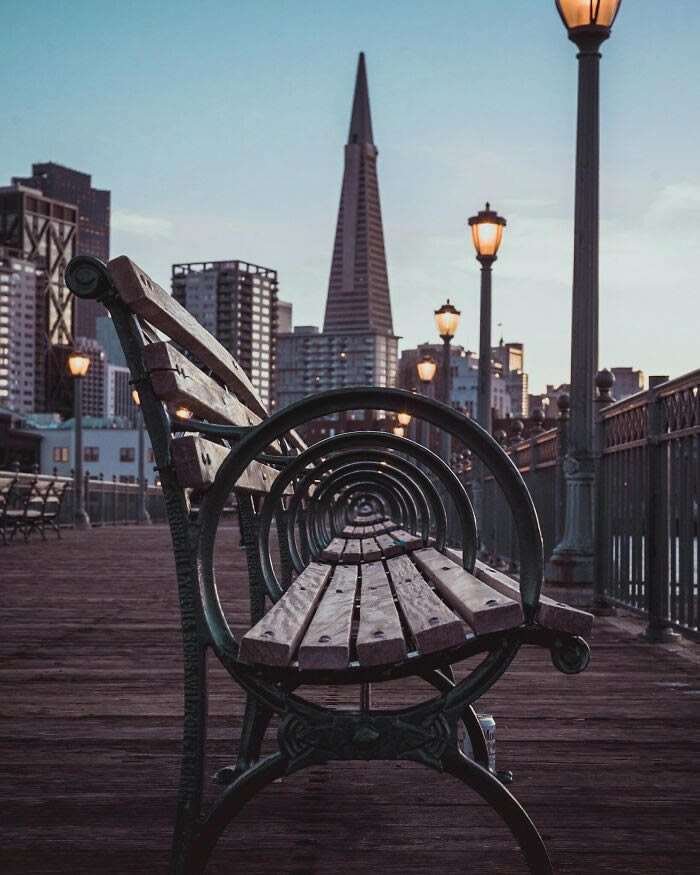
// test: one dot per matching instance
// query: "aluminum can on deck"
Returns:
(488, 727)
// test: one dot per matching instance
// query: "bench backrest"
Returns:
(187, 370)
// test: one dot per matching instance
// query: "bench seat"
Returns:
(375, 613)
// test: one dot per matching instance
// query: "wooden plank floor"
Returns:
(606, 762)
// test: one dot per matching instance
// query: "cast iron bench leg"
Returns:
(505, 805)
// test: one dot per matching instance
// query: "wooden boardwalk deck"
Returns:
(606, 763)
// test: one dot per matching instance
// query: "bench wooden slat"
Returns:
(380, 638)
(326, 643)
(433, 625)
(485, 609)
(371, 551)
(334, 550)
(197, 460)
(274, 640)
(353, 550)
(386, 526)
(552, 614)
(406, 540)
(388, 545)
(175, 378)
(147, 299)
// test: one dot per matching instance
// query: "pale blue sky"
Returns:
(219, 128)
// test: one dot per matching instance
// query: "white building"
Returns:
(17, 332)
(109, 449)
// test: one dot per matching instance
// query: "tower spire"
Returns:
(361, 120)
(358, 289)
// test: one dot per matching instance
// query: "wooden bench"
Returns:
(351, 580)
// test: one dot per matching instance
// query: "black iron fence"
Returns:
(108, 502)
(647, 513)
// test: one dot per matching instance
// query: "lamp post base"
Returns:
(81, 520)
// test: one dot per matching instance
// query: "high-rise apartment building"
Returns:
(17, 331)
(358, 346)
(237, 303)
(284, 317)
(93, 205)
(43, 231)
(93, 385)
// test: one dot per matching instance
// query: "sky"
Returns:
(219, 128)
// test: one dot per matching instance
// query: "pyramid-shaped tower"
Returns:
(358, 290)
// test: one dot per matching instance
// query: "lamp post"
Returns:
(78, 364)
(426, 368)
(447, 320)
(487, 230)
(588, 23)
(142, 514)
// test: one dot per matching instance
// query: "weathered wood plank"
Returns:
(388, 545)
(433, 625)
(552, 614)
(175, 378)
(371, 551)
(481, 606)
(380, 639)
(197, 460)
(334, 550)
(147, 299)
(353, 550)
(274, 640)
(326, 643)
(406, 540)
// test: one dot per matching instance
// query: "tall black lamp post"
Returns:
(487, 230)
(78, 364)
(447, 320)
(143, 516)
(426, 368)
(588, 23)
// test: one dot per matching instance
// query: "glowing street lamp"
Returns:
(588, 24)
(404, 418)
(78, 364)
(447, 320)
(426, 368)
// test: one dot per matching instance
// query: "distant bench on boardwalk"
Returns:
(360, 587)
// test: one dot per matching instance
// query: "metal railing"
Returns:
(108, 502)
(647, 514)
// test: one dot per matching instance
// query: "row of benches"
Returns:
(29, 506)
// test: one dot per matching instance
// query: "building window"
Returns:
(127, 454)
(150, 455)
(60, 454)
(91, 454)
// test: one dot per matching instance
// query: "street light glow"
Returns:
(404, 418)
(135, 396)
(447, 320)
(588, 13)
(487, 229)
(426, 368)
(78, 364)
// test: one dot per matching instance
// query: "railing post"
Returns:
(102, 499)
(604, 382)
(656, 578)
(114, 499)
(562, 450)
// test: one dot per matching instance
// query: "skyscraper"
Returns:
(237, 303)
(17, 331)
(74, 187)
(357, 346)
(358, 288)
(43, 230)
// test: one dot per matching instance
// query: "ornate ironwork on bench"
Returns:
(365, 589)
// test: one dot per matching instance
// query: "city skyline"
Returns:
(481, 109)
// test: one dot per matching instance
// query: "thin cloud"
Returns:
(139, 225)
